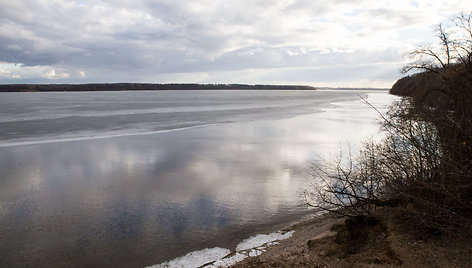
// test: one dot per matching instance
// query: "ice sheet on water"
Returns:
(218, 257)
(226, 262)
(262, 239)
(196, 258)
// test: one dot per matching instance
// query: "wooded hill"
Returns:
(143, 86)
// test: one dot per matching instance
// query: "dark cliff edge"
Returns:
(142, 86)
(417, 85)
(437, 85)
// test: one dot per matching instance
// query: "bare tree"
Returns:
(454, 46)
(425, 159)
(463, 45)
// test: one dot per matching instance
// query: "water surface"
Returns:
(153, 175)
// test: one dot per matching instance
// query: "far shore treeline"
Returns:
(143, 86)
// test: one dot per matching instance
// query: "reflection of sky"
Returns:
(148, 198)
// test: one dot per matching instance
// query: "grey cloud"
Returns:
(335, 74)
(268, 57)
(397, 18)
(143, 39)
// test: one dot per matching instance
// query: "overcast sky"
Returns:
(356, 43)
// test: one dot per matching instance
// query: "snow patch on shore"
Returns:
(222, 257)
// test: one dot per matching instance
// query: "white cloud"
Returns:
(4, 73)
(146, 40)
(51, 74)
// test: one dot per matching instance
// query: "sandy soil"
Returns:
(391, 241)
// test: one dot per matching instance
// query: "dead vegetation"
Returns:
(405, 201)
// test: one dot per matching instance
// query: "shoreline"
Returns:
(317, 224)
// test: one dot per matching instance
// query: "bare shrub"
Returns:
(380, 172)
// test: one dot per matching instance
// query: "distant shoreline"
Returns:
(141, 86)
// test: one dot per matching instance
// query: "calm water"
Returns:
(137, 178)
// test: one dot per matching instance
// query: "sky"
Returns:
(337, 43)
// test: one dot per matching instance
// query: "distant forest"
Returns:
(142, 86)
